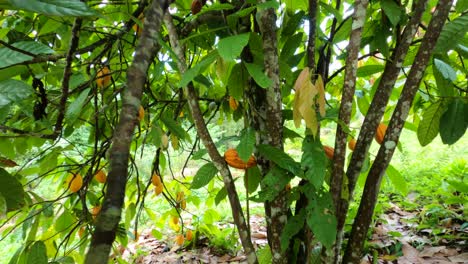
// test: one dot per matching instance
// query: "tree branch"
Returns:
(366, 208)
(213, 152)
(109, 217)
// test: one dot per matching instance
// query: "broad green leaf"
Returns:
(454, 122)
(429, 126)
(10, 57)
(191, 73)
(280, 158)
(272, 184)
(76, 107)
(64, 221)
(12, 190)
(459, 186)
(392, 10)
(291, 45)
(12, 71)
(363, 104)
(313, 161)
(246, 144)
(220, 195)
(397, 180)
(204, 175)
(237, 81)
(445, 69)
(343, 32)
(268, 4)
(252, 178)
(230, 48)
(258, 75)
(444, 85)
(331, 10)
(264, 255)
(293, 226)
(3, 206)
(291, 23)
(54, 7)
(174, 127)
(452, 34)
(37, 253)
(367, 70)
(13, 92)
(295, 5)
(321, 219)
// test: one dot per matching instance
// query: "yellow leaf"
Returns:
(303, 107)
(321, 95)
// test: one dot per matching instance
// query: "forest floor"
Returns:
(395, 239)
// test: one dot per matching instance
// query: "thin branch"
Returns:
(109, 217)
(213, 152)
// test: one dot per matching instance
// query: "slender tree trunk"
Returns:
(369, 199)
(109, 217)
(218, 160)
(336, 182)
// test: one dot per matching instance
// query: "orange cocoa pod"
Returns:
(156, 180)
(141, 113)
(74, 182)
(233, 103)
(95, 211)
(103, 77)
(232, 158)
(380, 133)
(329, 152)
(100, 176)
(352, 144)
(179, 240)
(159, 189)
(189, 235)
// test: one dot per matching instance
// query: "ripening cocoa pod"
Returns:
(380, 133)
(232, 158)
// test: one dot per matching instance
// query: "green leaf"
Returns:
(204, 175)
(313, 161)
(76, 107)
(37, 253)
(392, 10)
(367, 70)
(328, 9)
(174, 127)
(10, 57)
(272, 184)
(253, 178)
(280, 158)
(258, 75)
(429, 126)
(295, 5)
(12, 190)
(292, 227)
(221, 195)
(291, 45)
(445, 69)
(54, 7)
(237, 81)
(64, 221)
(452, 34)
(230, 48)
(459, 186)
(343, 32)
(191, 73)
(3, 206)
(321, 219)
(397, 179)
(444, 85)
(264, 255)
(13, 92)
(246, 144)
(454, 122)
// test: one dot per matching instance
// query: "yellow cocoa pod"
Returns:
(380, 133)
(183, 204)
(159, 189)
(179, 240)
(74, 182)
(175, 220)
(103, 77)
(156, 179)
(189, 235)
(232, 158)
(100, 176)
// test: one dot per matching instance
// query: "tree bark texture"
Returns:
(369, 199)
(336, 181)
(218, 160)
(109, 217)
(276, 211)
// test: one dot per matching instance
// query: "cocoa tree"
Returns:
(138, 75)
